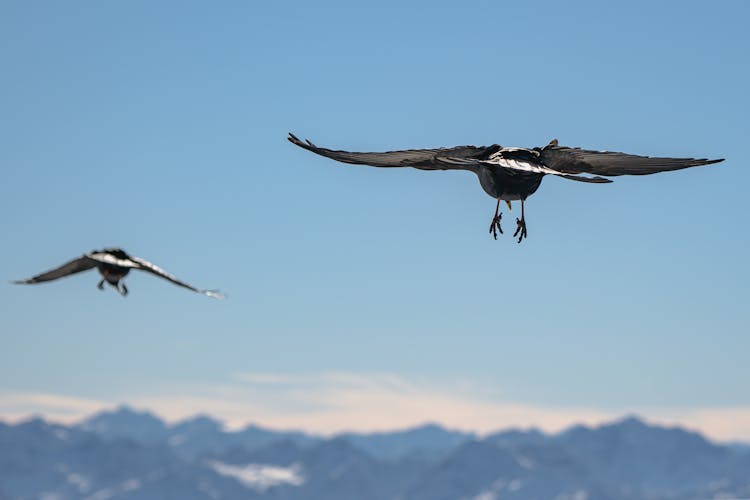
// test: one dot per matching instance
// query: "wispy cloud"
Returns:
(333, 402)
(15, 405)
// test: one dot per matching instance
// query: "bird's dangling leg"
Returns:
(520, 225)
(100, 286)
(122, 288)
(495, 224)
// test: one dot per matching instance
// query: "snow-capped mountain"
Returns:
(124, 454)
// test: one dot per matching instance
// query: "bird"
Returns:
(113, 264)
(514, 173)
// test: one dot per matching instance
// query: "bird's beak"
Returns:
(510, 208)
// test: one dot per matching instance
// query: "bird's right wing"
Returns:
(82, 263)
(424, 159)
(611, 163)
(149, 267)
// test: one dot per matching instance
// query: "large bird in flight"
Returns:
(113, 264)
(509, 173)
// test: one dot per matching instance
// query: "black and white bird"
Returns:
(510, 173)
(113, 264)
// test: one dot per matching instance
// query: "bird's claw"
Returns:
(495, 225)
(520, 229)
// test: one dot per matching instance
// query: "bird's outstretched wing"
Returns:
(424, 159)
(82, 263)
(147, 266)
(610, 163)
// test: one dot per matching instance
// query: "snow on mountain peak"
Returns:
(260, 477)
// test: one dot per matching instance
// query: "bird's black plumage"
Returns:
(611, 163)
(425, 159)
(113, 264)
(510, 173)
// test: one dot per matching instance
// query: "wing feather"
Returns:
(147, 266)
(425, 159)
(611, 163)
(82, 263)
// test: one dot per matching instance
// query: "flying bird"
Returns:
(113, 264)
(511, 173)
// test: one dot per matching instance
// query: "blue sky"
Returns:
(161, 129)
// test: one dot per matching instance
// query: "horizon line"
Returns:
(472, 433)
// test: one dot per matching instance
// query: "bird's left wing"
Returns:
(611, 163)
(82, 263)
(424, 159)
(147, 266)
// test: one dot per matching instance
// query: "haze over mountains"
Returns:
(124, 454)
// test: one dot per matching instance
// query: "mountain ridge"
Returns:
(128, 454)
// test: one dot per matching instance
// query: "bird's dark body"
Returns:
(499, 184)
(110, 272)
(113, 274)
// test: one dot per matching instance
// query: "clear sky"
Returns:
(363, 298)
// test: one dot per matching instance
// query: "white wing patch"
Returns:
(107, 258)
(521, 165)
(536, 167)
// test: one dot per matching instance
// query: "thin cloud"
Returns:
(328, 403)
(61, 408)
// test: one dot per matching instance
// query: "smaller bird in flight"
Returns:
(511, 173)
(113, 264)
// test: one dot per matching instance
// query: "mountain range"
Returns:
(127, 454)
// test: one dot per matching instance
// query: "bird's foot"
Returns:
(495, 225)
(520, 229)
(100, 286)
